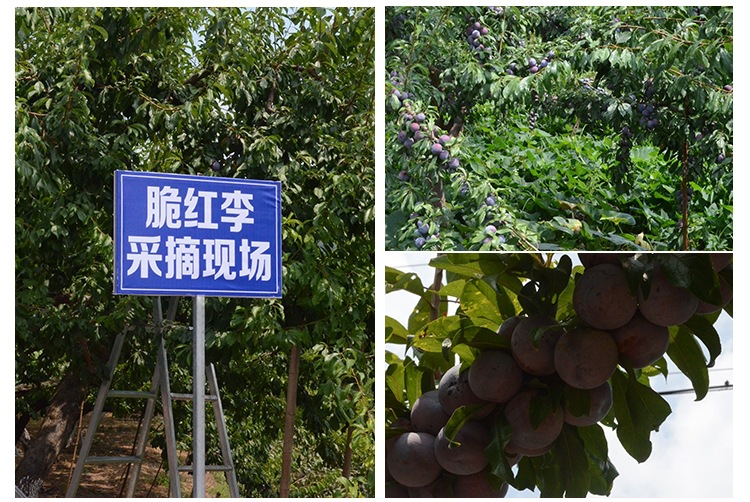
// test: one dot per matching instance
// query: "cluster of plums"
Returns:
(474, 33)
(680, 198)
(533, 66)
(624, 145)
(533, 114)
(416, 129)
(649, 115)
(490, 231)
(616, 328)
(422, 233)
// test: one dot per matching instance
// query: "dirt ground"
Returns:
(116, 437)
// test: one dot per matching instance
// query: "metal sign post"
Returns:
(199, 397)
(187, 235)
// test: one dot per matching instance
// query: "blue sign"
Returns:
(188, 235)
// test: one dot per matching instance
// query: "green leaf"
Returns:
(460, 416)
(102, 32)
(704, 329)
(453, 289)
(427, 343)
(639, 410)
(693, 271)
(602, 472)
(394, 376)
(500, 433)
(412, 381)
(396, 280)
(687, 355)
(420, 316)
(617, 218)
(571, 459)
(470, 264)
(395, 331)
(480, 303)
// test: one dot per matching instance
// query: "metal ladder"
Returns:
(159, 385)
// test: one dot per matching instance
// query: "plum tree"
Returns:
(396, 490)
(720, 260)
(631, 90)
(726, 291)
(508, 326)
(602, 297)
(441, 487)
(589, 260)
(536, 384)
(514, 451)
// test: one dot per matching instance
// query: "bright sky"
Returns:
(693, 451)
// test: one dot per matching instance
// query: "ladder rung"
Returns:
(114, 460)
(219, 468)
(131, 394)
(189, 397)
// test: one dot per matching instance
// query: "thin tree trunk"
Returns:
(59, 422)
(347, 470)
(291, 411)
(435, 302)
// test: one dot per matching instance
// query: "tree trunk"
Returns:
(59, 422)
(21, 423)
(437, 283)
(291, 411)
(347, 470)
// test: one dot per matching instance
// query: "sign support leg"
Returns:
(199, 397)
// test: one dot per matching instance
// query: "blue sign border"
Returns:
(120, 238)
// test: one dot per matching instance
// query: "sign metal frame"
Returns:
(241, 196)
(130, 203)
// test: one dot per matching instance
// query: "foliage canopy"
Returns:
(282, 94)
(566, 128)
